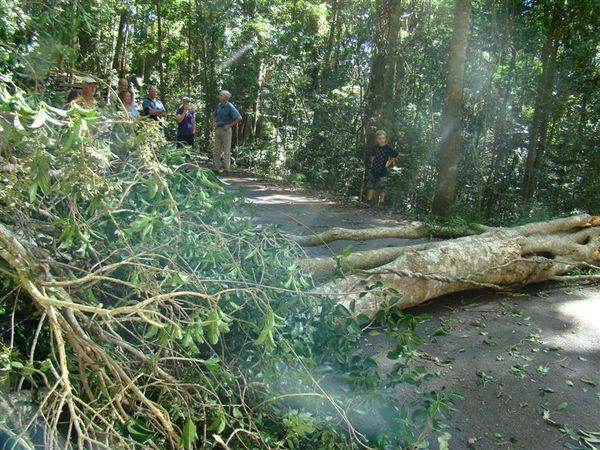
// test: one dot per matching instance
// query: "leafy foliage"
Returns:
(146, 311)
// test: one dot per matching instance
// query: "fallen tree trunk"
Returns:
(327, 266)
(497, 259)
(412, 230)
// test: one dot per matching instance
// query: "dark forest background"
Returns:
(315, 79)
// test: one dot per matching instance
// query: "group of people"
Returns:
(224, 117)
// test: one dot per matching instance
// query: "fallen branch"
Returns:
(412, 230)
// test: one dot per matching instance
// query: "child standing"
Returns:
(383, 157)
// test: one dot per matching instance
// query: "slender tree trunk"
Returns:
(123, 68)
(257, 102)
(544, 100)
(143, 68)
(380, 91)
(326, 68)
(118, 62)
(74, 39)
(189, 51)
(159, 49)
(452, 115)
(391, 65)
(111, 50)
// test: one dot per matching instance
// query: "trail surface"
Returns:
(511, 356)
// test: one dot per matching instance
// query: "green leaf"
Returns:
(39, 120)
(138, 431)
(190, 434)
(213, 327)
(562, 406)
(45, 365)
(441, 332)
(568, 382)
(19, 126)
(57, 111)
(443, 440)
(266, 332)
(218, 424)
(347, 250)
(543, 369)
(33, 191)
(151, 332)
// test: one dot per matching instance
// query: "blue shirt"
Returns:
(154, 104)
(225, 113)
(133, 112)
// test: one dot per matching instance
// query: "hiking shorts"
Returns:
(377, 183)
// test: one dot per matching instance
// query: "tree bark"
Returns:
(411, 230)
(119, 63)
(325, 267)
(452, 115)
(543, 104)
(497, 259)
(380, 91)
(159, 50)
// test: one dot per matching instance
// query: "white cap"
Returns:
(88, 79)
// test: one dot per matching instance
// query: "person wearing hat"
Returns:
(225, 117)
(88, 90)
(186, 123)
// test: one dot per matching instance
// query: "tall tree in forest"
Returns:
(452, 114)
(121, 43)
(538, 131)
(210, 17)
(380, 92)
(159, 49)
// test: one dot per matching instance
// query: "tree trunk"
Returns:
(380, 91)
(500, 147)
(262, 69)
(498, 259)
(189, 52)
(119, 53)
(412, 230)
(543, 104)
(111, 50)
(452, 115)
(159, 39)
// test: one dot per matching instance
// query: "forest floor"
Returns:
(513, 356)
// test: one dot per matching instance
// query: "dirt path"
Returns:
(512, 356)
